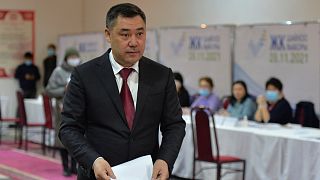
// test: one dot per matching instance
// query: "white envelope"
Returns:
(137, 169)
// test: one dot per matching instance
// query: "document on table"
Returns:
(137, 169)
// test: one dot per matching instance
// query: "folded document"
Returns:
(137, 169)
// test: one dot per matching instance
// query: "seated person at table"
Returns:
(206, 97)
(56, 88)
(183, 94)
(273, 107)
(241, 104)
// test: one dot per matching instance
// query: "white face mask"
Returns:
(73, 62)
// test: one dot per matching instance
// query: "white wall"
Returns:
(53, 17)
(56, 17)
(194, 12)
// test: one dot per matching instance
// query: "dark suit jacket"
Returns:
(93, 119)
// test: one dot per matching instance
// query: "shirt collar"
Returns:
(116, 67)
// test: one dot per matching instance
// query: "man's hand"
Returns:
(102, 170)
(160, 170)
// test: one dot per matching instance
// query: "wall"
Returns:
(52, 19)
(57, 17)
(194, 12)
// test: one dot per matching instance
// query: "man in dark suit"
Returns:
(115, 104)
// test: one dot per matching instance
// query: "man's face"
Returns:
(127, 38)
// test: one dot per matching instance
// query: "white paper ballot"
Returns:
(137, 169)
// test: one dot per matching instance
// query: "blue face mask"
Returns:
(51, 52)
(204, 92)
(272, 96)
(28, 62)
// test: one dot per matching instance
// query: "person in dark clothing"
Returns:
(28, 74)
(183, 94)
(273, 107)
(49, 63)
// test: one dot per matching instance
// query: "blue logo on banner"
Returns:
(277, 42)
(177, 46)
(256, 46)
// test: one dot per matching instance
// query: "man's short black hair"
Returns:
(274, 82)
(28, 55)
(124, 10)
(52, 46)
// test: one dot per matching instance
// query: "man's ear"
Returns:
(107, 34)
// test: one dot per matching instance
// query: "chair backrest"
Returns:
(21, 108)
(47, 107)
(305, 115)
(204, 131)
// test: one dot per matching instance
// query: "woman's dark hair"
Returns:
(178, 76)
(233, 99)
(208, 80)
(274, 82)
(125, 10)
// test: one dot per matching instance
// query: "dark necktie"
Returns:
(126, 96)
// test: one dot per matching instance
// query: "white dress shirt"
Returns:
(132, 80)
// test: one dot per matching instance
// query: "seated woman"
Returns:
(206, 96)
(241, 104)
(273, 107)
(183, 94)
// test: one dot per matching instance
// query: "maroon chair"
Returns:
(48, 112)
(203, 127)
(17, 123)
(25, 124)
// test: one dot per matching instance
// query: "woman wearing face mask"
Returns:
(56, 88)
(273, 107)
(206, 96)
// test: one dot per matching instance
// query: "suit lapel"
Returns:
(143, 90)
(107, 78)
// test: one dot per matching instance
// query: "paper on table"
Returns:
(137, 169)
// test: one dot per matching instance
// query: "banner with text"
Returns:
(91, 45)
(17, 37)
(196, 52)
(288, 52)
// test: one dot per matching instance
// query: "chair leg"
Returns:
(0, 132)
(44, 141)
(194, 170)
(15, 133)
(244, 170)
(20, 135)
(26, 140)
(218, 171)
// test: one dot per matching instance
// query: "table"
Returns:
(272, 151)
(35, 114)
(34, 110)
(8, 100)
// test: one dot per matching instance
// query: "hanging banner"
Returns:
(152, 45)
(89, 45)
(288, 52)
(16, 37)
(196, 52)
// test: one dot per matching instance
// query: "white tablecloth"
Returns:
(271, 151)
(34, 110)
(8, 100)
(35, 114)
